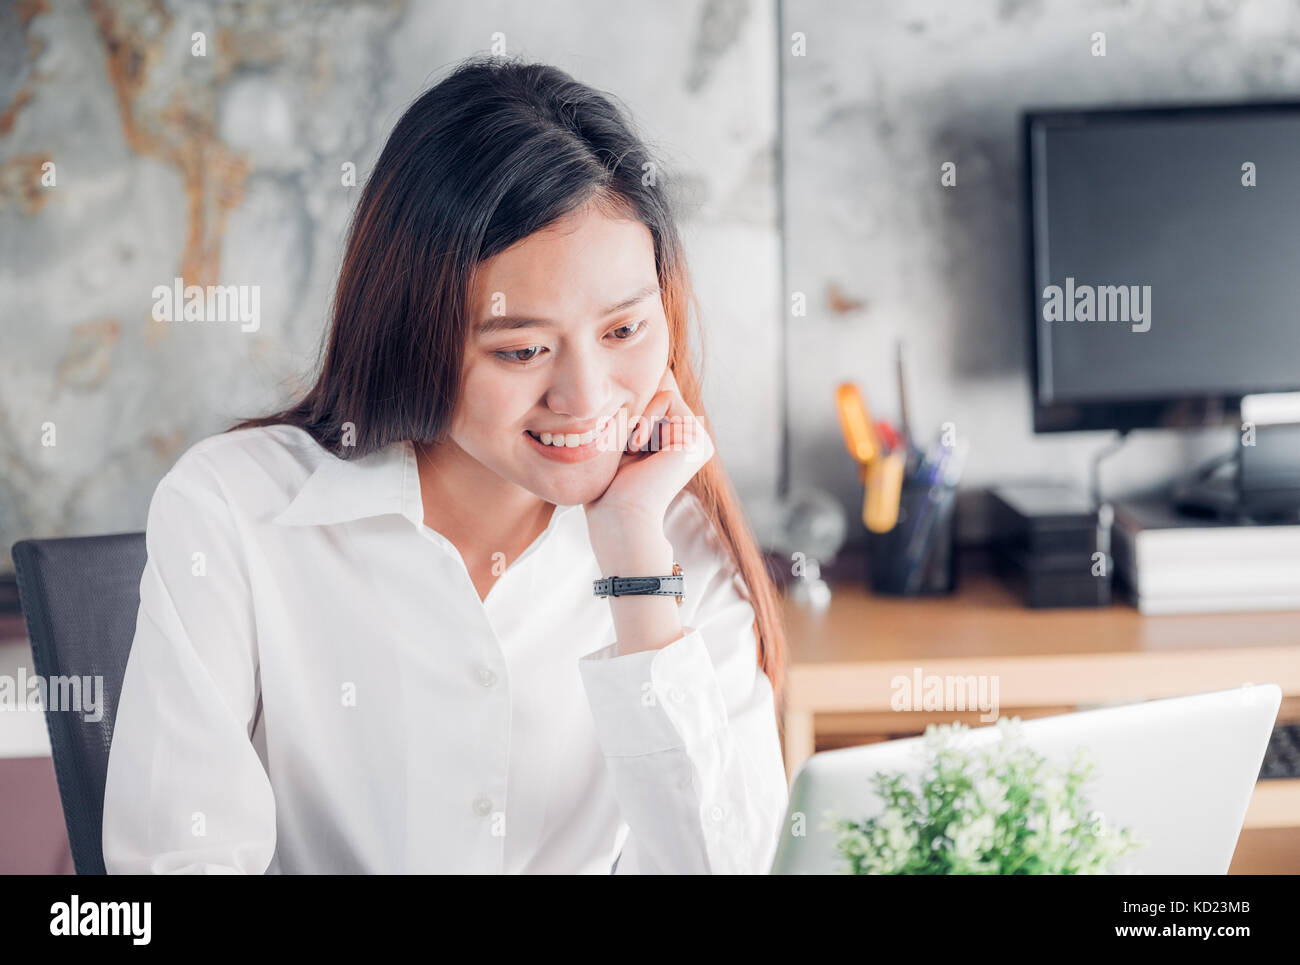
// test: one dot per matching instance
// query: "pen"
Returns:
(889, 435)
(955, 462)
(904, 422)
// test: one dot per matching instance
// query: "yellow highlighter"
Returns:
(882, 475)
(855, 423)
(884, 488)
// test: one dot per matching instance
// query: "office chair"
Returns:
(80, 597)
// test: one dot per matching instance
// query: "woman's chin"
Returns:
(573, 486)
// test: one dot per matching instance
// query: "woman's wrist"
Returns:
(637, 556)
(630, 546)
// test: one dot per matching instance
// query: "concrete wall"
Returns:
(226, 169)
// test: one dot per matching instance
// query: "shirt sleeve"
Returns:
(186, 791)
(689, 735)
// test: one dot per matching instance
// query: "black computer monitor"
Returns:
(1164, 262)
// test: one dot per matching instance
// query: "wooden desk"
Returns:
(1046, 662)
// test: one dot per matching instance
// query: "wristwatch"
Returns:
(674, 585)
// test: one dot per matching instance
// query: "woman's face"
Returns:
(567, 330)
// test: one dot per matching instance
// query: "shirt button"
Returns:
(715, 813)
(486, 677)
(482, 805)
(676, 695)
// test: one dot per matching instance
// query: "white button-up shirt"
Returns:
(316, 686)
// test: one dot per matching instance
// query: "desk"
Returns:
(1046, 661)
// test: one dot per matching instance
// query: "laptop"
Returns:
(1178, 771)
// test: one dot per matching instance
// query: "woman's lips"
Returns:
(583, 440)
(566, 453)
(601, 438)
(549, 437)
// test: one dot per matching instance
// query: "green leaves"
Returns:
(997, 809)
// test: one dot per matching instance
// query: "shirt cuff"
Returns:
(652, 701)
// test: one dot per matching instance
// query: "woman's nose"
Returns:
(580, 390)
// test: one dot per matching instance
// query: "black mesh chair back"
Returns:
(80, 597)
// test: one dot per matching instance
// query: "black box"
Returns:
(1051, 545)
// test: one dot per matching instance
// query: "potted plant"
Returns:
(994, 809)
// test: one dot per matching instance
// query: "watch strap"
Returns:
(674, 585)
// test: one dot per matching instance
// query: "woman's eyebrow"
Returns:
(499, 323)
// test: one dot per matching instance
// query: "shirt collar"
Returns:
(384, 481)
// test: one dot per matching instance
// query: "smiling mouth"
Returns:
(570, 440)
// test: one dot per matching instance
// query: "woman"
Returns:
(370, 637)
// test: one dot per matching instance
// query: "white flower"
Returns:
(1059, 821)
(1052, 787)
(892, 819)
(992, 793)
(969, 840)
(1097, 824)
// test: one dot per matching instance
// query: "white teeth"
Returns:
(569, 440)
(572, 440)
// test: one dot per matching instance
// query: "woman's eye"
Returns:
(635, 329)
(512, 355)
(521, 356)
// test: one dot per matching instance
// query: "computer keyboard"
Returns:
(1282, 756)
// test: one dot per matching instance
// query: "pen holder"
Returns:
(918, 556)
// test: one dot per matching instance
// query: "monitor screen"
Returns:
(1164, 262)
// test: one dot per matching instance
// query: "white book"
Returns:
(1157, 549)
(1207, 603)
(1227, 578)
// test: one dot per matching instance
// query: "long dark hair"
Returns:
(494, 152)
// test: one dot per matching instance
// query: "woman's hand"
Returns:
(666, 447)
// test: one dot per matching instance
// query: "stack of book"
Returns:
(1173, 563)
